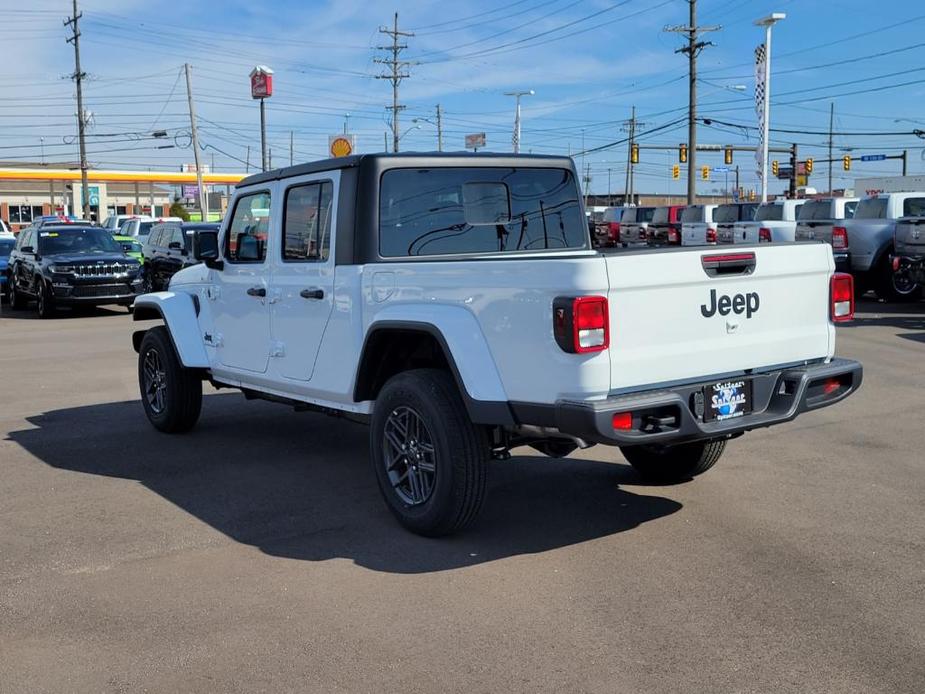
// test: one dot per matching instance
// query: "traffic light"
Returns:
(775, 167)
(727, 155)
(846, 162)
(676, 172)
(705, 173)
(751, 195)
(682, 153)
(809, 166)
(634, 153)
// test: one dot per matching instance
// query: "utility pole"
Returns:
(692, 49)
(203, 200)
(831, 124)
(247, 160)
(263, 135)
(395, 75)
(793, 172)
(609, 200)
(291, 146)
(515, 140)
(905, 159)
(630, 126)
(81, 122)
(439, 129)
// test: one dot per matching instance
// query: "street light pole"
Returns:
(516, 139)
(767, 23)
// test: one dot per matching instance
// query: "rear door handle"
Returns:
(257, 291)
(313, 293)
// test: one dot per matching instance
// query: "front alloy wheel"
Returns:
(154, 382)
(171, 394)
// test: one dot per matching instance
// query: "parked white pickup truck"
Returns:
(698, 226)
(774, 221)
(455, 304)
(870, 232)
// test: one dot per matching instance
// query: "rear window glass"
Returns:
(478, 210)
(850, 208)
(694, 213)
(914, 207)
(660, 216)
(871, 208)
(769, 213)
(144, 228)
(815, 209)
(644, 214)
(725, 214)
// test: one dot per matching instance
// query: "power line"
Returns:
(396, 75)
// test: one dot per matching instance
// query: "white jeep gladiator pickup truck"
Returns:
(454, 302)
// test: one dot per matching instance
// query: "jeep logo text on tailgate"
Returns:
(725, 304)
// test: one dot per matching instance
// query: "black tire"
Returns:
(45, 302)
(894, 286)
(147, 282)
(457, 452)
(170, 393)
(17, 300)
(676, 463)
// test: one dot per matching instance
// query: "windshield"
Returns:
(6, 246)
(82, 240)
(871, 208)
(769, 213)
(457, 210)
(815, 209)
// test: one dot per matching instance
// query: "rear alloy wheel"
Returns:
(17, 300)
(667, 464)
(171, 394)
(430, 460)
(896, 286)
(45, 302)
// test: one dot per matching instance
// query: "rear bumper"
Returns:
(914, 266)
(674, 415)
(842, 261)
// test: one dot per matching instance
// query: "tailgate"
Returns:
(745, 232)
(910, 236)
(814, 231)
(667, 309)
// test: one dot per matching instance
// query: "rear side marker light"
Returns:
(841, 293)
(764, 235)
(622, 421)
(581, 324)
(839, 238)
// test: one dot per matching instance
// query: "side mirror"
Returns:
(27, 249)
(175, 246)
(205, 248)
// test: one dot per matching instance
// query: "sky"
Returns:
(588, 61)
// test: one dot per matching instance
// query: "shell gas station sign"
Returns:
(342, 145)
(261, 82)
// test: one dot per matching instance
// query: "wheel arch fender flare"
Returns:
(467, 353)
(180, 313)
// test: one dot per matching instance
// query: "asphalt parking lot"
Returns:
(255, 554)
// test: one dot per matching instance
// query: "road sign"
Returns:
(191, 192)
(93, 193)
(873, 157)
(475, 140)
(341, 145)
(720, 169)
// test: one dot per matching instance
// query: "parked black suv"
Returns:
(168, 250)
(70, 265)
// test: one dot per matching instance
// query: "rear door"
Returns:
(302, 288)
(679, 317)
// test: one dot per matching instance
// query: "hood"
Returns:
(86, 259)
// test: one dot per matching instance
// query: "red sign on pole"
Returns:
(261, 82)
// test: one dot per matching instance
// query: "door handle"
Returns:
(257, 291)
(313, 293)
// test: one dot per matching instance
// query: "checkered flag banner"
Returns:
(761, 55)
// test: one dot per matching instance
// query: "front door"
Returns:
(239, 298)
(302, 290)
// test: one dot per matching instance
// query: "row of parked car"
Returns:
(879, 239)
(58, 261)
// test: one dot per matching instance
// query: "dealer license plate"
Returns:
(727, 400)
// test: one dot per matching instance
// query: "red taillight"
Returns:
(642, 234)
(830, 386)
(622, 421)
(841, 291)
(839, 238)
(896, 263)
(614, 231)
(764, 235)
(674, 236)
(711, 235)
(581, 324)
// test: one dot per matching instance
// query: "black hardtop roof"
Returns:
(413, 158)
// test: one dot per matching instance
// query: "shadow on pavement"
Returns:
(903, 316)
(299, 485)
(64, 313)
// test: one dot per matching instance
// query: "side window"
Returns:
(246, 238)
(307, 225)
(154, 238)
(177, 236)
